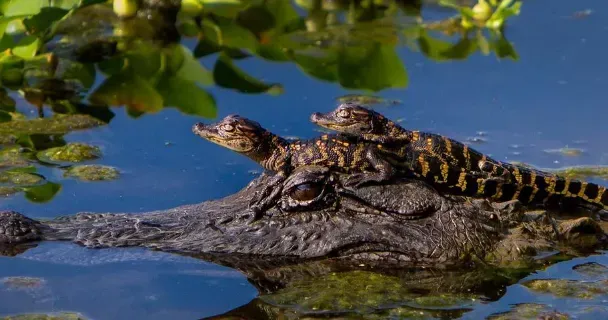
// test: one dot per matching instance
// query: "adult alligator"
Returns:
(404, 222)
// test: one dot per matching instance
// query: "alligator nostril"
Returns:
(197, 127)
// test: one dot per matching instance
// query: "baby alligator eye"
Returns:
(305, 192)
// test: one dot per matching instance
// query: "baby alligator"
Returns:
(277, 154)
(450, 164)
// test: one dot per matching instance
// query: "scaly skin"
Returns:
(451, 164)
(276, 154)
(404, 222)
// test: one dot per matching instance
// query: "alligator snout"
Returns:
(316, 117)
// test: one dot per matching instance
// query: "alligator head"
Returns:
(406, 222)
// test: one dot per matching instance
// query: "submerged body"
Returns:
(452, 165)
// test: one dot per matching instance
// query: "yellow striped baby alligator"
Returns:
(452, 165)
(274, 153)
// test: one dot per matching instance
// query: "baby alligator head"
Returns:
(233, 132)
(240, 134)
(350, 118)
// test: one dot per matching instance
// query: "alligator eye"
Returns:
(306, 191)
(343, 113)
(227, 127)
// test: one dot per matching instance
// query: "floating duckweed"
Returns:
(57, 124)
(72, 152)
(47, 316)
(359, 291)
(12, 157)
(592, 269)
(20, 178)
(572, 152)
(93, 173)
(367, 100)
(6, 191)
(583, 172)
(22, 282)
(568, 288)
(528, 311)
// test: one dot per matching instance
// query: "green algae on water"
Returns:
(57, 124)
(92, 173)
(47, 316)
(72, 152)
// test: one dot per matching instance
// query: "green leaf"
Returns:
(374, 68)
(5, 116)
(43, 20)
(283, 12)
(145, 63)
(193, 70)
(227, 75)
(186, 96)
(26, 47)
(234, 36)
(504, 49)
(129, 90)
(325, 68)
(83, 72)
(24, 7)
(42, 193)
(256, 19)
(210, 41)
(482, 42)
(432, 47)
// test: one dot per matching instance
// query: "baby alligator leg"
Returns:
(383, 171)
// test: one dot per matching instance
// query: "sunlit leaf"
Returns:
(129, 90)
(325, 68)
(186, 96)
(234, 36)
(193, 70)
(5, 116)
(272, 52)
(145, 63)
(374, 68)
(433, 48)
(42, 193)
(26, 47)
(227, 75)
(484, 45)
(209, 42)
(24, 7)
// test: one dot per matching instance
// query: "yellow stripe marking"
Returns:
(600, 193)
(566, 187)
(467, 157)
(415, 135)
(462, 181)
(581, 193)
(444, 171)
(424, 165)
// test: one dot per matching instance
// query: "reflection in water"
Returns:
(58, 50)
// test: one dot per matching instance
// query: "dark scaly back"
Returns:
(452, 165)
